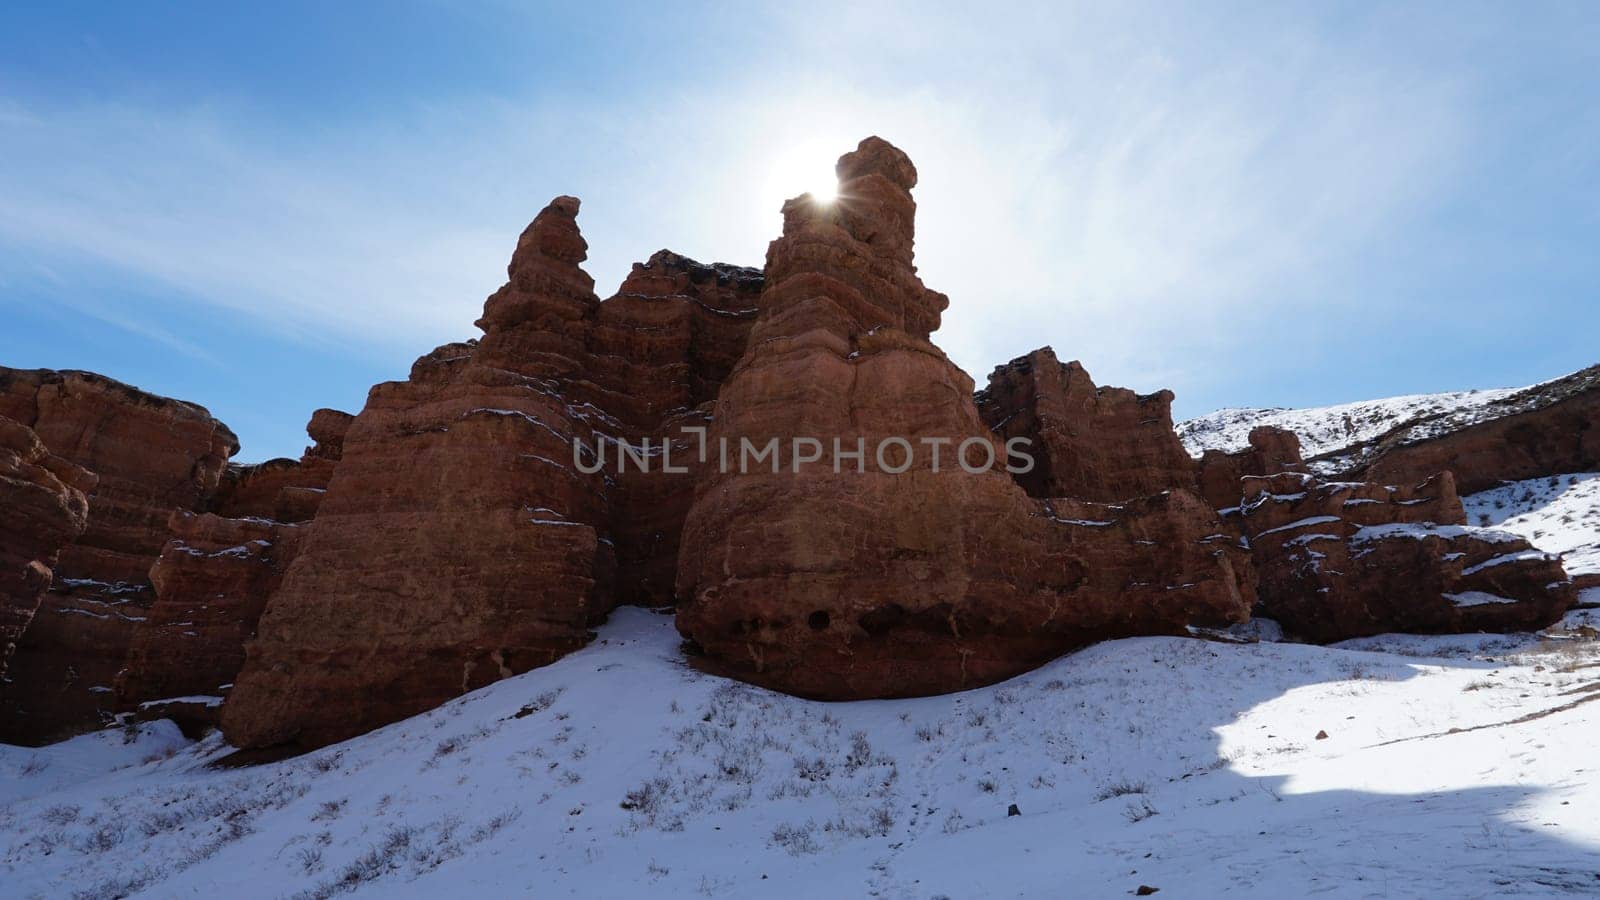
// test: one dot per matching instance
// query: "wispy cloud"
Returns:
(1114, 185)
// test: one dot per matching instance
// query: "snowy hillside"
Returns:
(1559, 514)
(1326, 428)
(1449, 767)
(1341, 438)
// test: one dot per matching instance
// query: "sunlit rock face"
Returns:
(455, 544)
(1349, 559)
(1343, 559)
(846, 584)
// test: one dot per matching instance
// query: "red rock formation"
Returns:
(1348, 559)
(447, 536)
(1272, 450)
(1548, 429)
(457, 542)
(61, 680)
(1103, 444)
(285, 490)
(44, 510)
(215, 575)
(152, 456)
(844, 584)
(250, 490)
(211, 585)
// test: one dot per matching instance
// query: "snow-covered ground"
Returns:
(1456, 766)
(1325, 428)
(1559, 514)
(1450, 767)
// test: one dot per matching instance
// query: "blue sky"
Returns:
(266, 208)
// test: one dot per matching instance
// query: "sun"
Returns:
(804, 169)
(824, 191)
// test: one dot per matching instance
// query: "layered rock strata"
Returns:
(211, 584)
(897, 576)
(783, 454)
(151, 457)
(1347, 559)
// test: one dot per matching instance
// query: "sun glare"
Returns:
(824, 191)
(805, 169)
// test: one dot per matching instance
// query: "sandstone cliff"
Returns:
(1548, 429)
(151, 456)
(459, 540)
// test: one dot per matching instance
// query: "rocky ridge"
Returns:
(1484, 437)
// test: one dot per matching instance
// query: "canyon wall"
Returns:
(150, 457)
